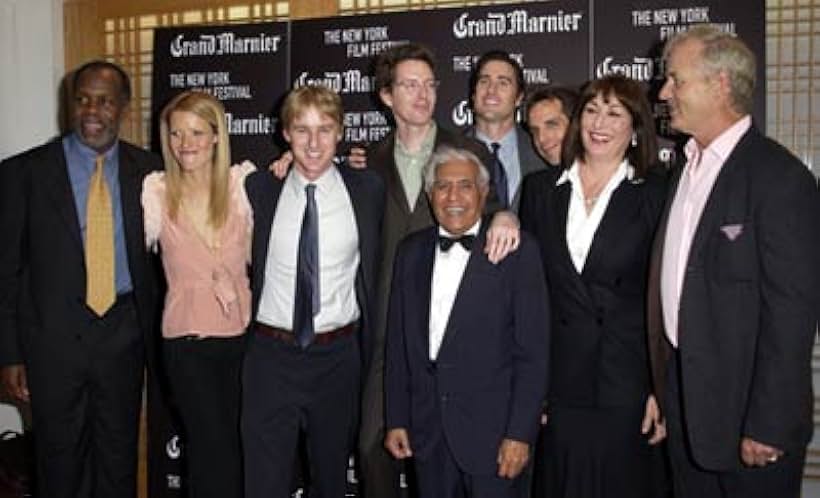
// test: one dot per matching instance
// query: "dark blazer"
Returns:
(490, 375)
(749, 307)
(528, 159)
(599, 354)
(367, 196)
(42, 262)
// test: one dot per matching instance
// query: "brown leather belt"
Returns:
(287, 336)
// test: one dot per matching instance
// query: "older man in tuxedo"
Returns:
(733, 296)
(467, 344)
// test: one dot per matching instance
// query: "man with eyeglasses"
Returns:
(405, 82)
(496, 90)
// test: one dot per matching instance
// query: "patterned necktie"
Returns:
(99, 243)
(500, 177)
(308, 297)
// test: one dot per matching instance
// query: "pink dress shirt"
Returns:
(696, 182)
(208, 288)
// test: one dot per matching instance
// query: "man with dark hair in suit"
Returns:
(77, 292)
(313, 263)
(467, 344)
(497, 88)
(549, 111)
(734, 288)
(406, 84)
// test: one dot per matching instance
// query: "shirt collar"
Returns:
(721, 146)
(625, 170)
(426, 145)
(473, 230)
(507, 141)
(89, 155)
(324, 184)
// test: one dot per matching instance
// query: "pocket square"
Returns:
(732, 232)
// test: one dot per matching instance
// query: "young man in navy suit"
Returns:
(467, 344)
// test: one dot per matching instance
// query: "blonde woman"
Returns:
(197, 216)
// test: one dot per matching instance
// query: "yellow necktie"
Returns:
(99, 243)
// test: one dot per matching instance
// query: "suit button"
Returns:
(443, 398)
(599, 321)
(78, 337)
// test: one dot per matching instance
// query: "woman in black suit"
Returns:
(595, 226)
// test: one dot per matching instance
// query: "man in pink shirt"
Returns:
(733, 293)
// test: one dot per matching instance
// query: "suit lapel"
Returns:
(395, 189)
(714, 209)
(560, 207)
(130, 178)
(423, 286)
(264, 203)
(619, 213)
(59, 187)
(470, 282)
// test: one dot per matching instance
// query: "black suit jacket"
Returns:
(749, 306)
(42, 262)
(599, 353)
(528, 159)
(367, 196)
(490, 375)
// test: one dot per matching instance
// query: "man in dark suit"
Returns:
(77, 292)
(467, 344)
(549, 111)
(497, 88)
(406, 84)
(733, 293)
(314, 259)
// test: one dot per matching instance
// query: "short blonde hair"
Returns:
(325, 100)
(211, 110)
(723, 52)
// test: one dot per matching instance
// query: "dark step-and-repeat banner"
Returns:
(251, 67)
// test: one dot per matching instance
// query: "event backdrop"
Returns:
(251, 67)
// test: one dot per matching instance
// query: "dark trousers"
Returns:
(777, 480)
(439, 476)
(287, 390)
(379, 470)
(205, 384)
(86, 389)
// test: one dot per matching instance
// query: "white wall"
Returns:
(31, 66)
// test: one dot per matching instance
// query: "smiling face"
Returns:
(99, 106)
(192, 141)
(606, 129)
(412, 96)
(496, 93)
(457, 196)
(548, 126)
(312, 136)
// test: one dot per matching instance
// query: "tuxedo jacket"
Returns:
(490, 375)
(42, 259)
(599, 353)
(366, 193)
(749, 306)
(528, 159)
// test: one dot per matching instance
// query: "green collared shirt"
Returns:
(411, 165)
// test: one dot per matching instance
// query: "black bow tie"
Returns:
(466, 241)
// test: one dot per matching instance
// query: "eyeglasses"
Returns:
(415, 86)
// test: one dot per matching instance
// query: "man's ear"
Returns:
(386, 97)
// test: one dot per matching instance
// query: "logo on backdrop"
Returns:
(516, 22)
(226, 43)
(639, 68)
(173, 448)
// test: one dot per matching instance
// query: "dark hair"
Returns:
(567, 96)
(100, 65)
(384, 67)
(501, 56)
(632, 96)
